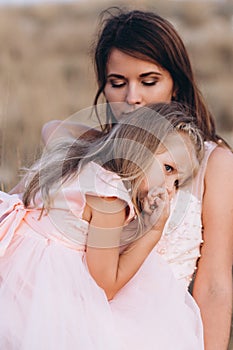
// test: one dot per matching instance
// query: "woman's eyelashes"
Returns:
(149, 82)
(119, 84)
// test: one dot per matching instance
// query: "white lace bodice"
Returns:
(182, 237)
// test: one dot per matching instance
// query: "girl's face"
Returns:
(162, 173)
(133, 83)
(173, 164)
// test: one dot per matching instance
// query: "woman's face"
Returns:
(133, 83)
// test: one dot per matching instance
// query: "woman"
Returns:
(140, 59)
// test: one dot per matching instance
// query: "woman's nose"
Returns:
(133, 95)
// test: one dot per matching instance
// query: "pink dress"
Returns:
(48, 299)
(182, 237)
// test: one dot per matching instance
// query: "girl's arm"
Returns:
(111, 270)
(213, 283)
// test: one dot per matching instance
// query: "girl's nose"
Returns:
(171, 186)
(133, 95)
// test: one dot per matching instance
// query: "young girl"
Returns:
(141, 59)
(65, 283)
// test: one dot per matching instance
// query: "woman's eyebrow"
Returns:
(114, 75)
(149, 73)
(143, 75)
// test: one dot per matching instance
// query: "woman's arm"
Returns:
(19, 188)
(55, 129)
(213, 283)
(111, 270)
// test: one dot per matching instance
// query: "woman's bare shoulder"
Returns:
(220, 158)
(219, 169)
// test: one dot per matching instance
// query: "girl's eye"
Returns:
(168, 168)
(117, 83)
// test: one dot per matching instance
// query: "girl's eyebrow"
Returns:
(143, 75)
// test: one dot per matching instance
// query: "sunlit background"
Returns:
(46, 69)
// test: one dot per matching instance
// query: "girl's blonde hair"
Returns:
(128, 151)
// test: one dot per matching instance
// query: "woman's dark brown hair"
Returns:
(147, 36)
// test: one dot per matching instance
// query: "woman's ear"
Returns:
(174, 94)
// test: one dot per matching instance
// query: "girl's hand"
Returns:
(156, 209)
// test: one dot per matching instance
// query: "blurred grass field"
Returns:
(47, 73)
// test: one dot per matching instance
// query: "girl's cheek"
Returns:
(172, 194)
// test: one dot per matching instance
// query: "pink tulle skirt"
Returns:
(49, 301)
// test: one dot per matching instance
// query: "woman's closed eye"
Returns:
(149, 82)
(117, 83)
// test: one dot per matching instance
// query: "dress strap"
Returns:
(12, 212)
(199, 179)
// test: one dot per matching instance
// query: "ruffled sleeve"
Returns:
(12, 212)
(97, 181)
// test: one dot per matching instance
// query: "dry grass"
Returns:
(46, 71)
